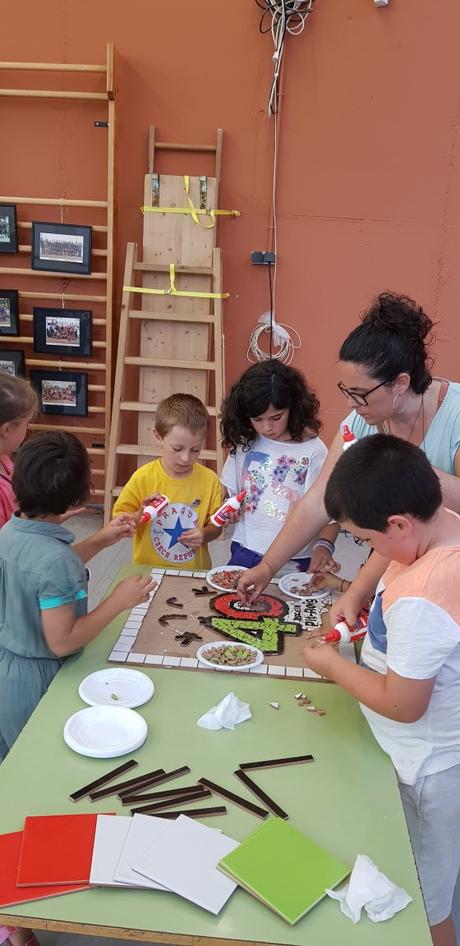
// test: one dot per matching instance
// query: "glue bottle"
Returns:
(231, 505)
(343, 633)
(151, 511)
(348, 437)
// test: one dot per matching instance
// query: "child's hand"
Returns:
(320, 657)
(121, 527)
(147, 501)
(132, 591)
(73, 511)
(193, 538)
(322, 561)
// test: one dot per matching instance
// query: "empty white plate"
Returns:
(116, 687)
(292, 585)
(103, 732)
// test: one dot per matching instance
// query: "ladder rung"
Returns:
(170, 363)
(151, 408)
(181, 146)
(148, 450)
(164, 268)
(170, 316)
(71, 430)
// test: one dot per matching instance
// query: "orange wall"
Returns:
(369, 184)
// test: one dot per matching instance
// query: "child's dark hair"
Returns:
(51, 474)
(17, 398)
(183, 410)
(382, 476)
(391, 339)
(268, 382)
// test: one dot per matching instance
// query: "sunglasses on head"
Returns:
(360, 397)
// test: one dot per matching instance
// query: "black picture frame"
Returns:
(8, 229)
(61, 392)
(61, 248)
(14, 358)
(9, 312)
(53, 327)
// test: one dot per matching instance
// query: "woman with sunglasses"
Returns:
(384, 375)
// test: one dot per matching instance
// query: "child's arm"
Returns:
(122, 527)
(323, 550)
(64, 633)
(399, 698)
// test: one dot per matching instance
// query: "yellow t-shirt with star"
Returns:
(192, 500)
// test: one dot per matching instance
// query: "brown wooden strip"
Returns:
(81, 792)
(271, 805)
(236, 799)
(130, 783)
(191, 813)
(155, 796)
(178, 800)
(166, 777)
(268, 763)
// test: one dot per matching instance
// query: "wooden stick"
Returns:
(182, 146)
(191, 813)
(271, 805)
(269, 763)
(61, 296)
(167, 793)
(55, 202)
(52, 67)
(170, 802)
(81, 792)
(165, 777)
(94, 796)
(236, 799)
(19, 271)
(58, 364)
(49, 94)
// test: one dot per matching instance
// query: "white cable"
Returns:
(284, 344)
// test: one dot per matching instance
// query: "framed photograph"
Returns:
(61, 248)
(9, 312)
(8, 229)
(61, 392)
(62, 331)
(12, 361)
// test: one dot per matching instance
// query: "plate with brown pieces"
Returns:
(298, 585)
(225, 577)
(229, 655)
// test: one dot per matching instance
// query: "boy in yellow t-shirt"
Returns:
(179, 536)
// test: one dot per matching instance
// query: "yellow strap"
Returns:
(172, 291)
(192, 210)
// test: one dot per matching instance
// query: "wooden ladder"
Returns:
(168, 344)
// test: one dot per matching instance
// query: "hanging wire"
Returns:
(280, 17)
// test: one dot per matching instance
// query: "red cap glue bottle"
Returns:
(232, 504)
(343, 633)
(348, 437)
(154, 507)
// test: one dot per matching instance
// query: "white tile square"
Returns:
(130, 632)
(261, 669)
(155, 659)
(171, 661)
(118, 656)
(294, 671)
(136, 658)
(199, 574)
(191, 662)
(275, 671)
(205, 667)
(310, 674)
(158, 571)
(185, 574)
(124, 644)
(171, 571)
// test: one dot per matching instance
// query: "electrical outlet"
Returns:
(263, 258)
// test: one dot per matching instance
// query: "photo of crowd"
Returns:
(62, 331)
(63, 393)
(4, 229)
(62, 248)
(8, 366)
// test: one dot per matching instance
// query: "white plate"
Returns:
(116, 687)
(104, 732)
(223, 568)
(288, 584)
(258, 655)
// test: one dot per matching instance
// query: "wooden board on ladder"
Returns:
(180, 346)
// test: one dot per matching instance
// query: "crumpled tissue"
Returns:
(371, 889)
(227, 714)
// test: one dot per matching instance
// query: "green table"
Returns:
(347, 800)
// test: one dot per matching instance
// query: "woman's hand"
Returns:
(253, 582)
(322, 561)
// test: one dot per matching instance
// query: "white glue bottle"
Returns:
(225, 512)
(343, 633)
(151, 511)
(348, 437)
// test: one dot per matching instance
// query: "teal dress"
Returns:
(38, 570)
(442, 439)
